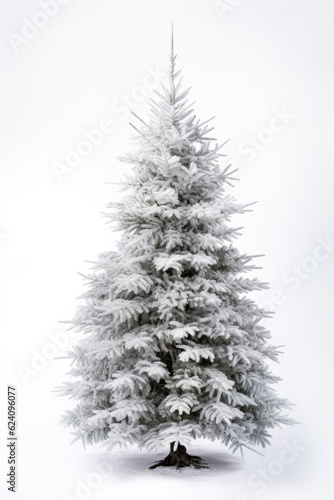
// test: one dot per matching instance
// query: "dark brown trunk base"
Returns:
(179, 458)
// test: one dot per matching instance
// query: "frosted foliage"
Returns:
(172, 347)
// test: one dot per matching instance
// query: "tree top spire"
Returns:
(172, 42)
(172, 65)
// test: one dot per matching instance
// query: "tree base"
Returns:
(179, 458)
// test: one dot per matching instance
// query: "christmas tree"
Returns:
(173, 348)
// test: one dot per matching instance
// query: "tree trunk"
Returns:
(179, 458)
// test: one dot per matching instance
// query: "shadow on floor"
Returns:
(134, 462)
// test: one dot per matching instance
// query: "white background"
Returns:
(246, 61)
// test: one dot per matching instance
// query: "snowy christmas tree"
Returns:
(173, 348)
